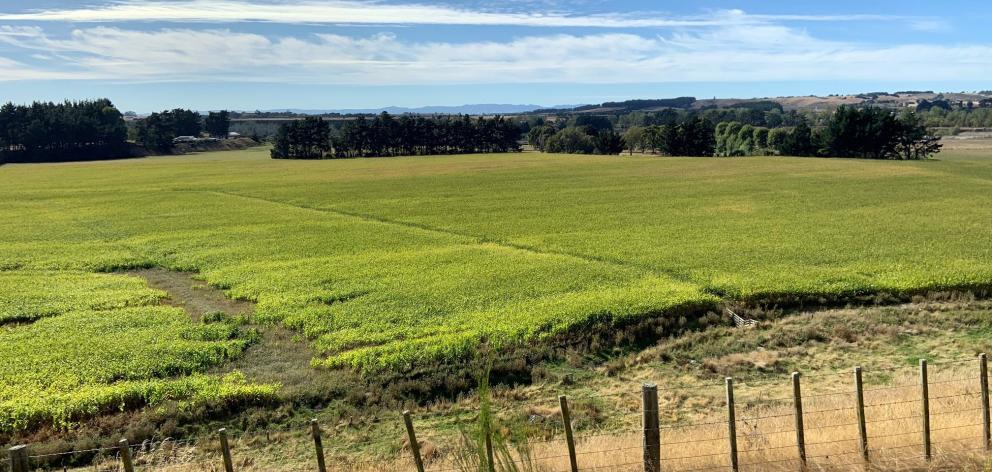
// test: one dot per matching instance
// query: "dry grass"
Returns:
(765, 432)
(767, 439)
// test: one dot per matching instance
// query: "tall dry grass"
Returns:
(765, 432)
(766, 428)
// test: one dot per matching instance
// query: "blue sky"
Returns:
(253, 54)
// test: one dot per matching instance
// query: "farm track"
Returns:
(194, 296)
(279, 357)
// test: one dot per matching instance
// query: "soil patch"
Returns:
(280, 357)
(194, 296)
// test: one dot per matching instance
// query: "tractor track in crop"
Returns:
(475, 238)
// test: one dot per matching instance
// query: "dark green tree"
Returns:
(158, 130)
(538, 136)
(309, 138)
(46, 132)
(607, 142)
(692, 137)
(186, 122)
(385, 135)
(868, 133)
(571, 141)
(914, 141)
(798, 142)
(218, 123)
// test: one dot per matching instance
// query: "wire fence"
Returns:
(943, 417)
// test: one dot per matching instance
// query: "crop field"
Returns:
(384, 263)
(108, 349)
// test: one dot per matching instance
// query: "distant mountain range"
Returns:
(477, 109)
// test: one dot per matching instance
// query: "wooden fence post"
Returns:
(566, 418)
(414, 445)
(983, 370)
(859, 394)
(732, 425)
(652, 430)
(488, 430)
(18, 458)
(925, 403)
(125, 451)
(318, 445)
(225, 449)
(797, 398)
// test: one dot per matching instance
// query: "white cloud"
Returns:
(371, 12)
(13, 70)
(930, 25)
(732, 53)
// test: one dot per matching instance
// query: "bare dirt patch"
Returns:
(281, 356)
(194, 296)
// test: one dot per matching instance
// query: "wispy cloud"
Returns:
(371, 12)
(15, 70)
(729, 54)
(930, 25)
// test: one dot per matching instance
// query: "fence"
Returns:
(931, 419)
(741, 322)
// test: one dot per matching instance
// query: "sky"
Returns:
(333, 54)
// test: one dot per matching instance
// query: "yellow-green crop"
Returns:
(77, 363)
(384, 262)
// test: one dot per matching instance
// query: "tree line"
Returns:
(309, 138)
(764, 113)
(872, 133)
(159, 130)
(740, 139)
(67, 131)
(865, 133)
(938, 113)
(94, 129)
(691, 137)
(960, 118)
(385, 135)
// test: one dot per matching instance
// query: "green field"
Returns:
(387, 262)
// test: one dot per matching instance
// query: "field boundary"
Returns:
(477, 239)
